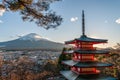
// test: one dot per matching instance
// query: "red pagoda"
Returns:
(84, 65)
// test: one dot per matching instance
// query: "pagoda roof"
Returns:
(84, 38)
(87, 51)
(86, 64)
(74, 76)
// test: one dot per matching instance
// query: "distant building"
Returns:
(84, 65)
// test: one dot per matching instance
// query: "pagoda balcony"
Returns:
(84, 71)
(83, 57)
(84, 48)
(84, 60)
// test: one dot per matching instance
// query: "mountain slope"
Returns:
(32, 41)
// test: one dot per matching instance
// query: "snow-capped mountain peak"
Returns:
(32, 37)
(32, 41)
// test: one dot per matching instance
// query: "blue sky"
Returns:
(101, 21)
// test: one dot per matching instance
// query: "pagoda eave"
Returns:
(92, 66)
(87, 52)
(68, 52)
(70, 75)
(92, 40)
(91, 52)
(84, 38)
(77, 40)
(70, 42)
(86, 64)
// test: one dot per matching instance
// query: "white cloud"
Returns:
(73, 19)
(2, 12)
(118, 21)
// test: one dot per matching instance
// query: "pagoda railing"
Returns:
(83, 60)
(84, 48)
(86, 70)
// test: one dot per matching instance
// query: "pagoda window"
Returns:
(87, 57)
(74, 54)
(78, 69)
(73, 68)
(88, 46)
(88, 43)
(79, 57)
(76, 45)
(88, 69)
(75, 57)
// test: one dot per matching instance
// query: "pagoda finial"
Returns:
(83, 23)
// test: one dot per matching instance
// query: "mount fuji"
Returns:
(31, 41)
